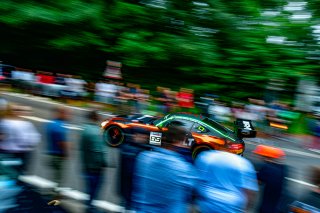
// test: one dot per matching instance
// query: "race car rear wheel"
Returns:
(113, 136)
(198, 149)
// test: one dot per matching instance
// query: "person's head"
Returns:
(175, 135)
(62, 113)
(16, 110)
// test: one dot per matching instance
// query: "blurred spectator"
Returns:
(58, 144)
(272, 175)
(105, 92)
(258, 108)
(123, 100)
(312, 197)
(45, 78)
(60, 79)
(143, 100)
(8, 190)
(76, 87)
(219, 112)
(237, 110)
(128, 153)
(3, 111)
(227, 182)
(185, 99)
(163, 180)
(68, 92)
(110, 90)
(205, 103)
(163, 99)
(93, 155)
(133, 95)
(98, 94)
(314, 131)
(22, 75)
(20, 137)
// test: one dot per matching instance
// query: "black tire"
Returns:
(198, 149)
(113, 136)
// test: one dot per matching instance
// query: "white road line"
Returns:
(38, 181)
(301, 153)
(80, 196)
(297, 152)
(68, 192)
(300, 182)
(42, 100)
(108, 206)
(73, 127)
(30, 97)
(68, 126)
(33, 118)
(315, 150)
(74, 194)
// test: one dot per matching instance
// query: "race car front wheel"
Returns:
(198, 149)
(114, 136)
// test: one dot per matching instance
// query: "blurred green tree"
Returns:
(230, 48)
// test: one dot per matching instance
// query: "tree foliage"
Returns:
(211, 46)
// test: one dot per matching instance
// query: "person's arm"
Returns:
(32, 135)
(251, 197)
(65, 146)
(249, 184)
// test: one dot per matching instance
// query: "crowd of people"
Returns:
(129, 97)
(275, 118)
(132, 98)
(154, 179)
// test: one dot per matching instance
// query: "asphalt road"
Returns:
(298, 159)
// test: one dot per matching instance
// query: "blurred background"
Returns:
(248, 59)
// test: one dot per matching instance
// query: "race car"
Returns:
(203, 132)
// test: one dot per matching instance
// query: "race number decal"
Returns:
(247, 125)
(155, 138)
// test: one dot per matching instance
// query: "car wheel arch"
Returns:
(197, 149)
(106, 129)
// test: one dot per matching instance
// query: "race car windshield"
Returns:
(215, 125)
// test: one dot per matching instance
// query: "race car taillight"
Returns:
(235, 146)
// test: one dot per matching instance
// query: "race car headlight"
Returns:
(104, 123)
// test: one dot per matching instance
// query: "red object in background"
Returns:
(185, 99)
(45, 79)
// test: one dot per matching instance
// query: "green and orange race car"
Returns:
(203, 132)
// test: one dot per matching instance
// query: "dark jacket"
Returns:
(93, 149)
(128, 155)
(272, 175)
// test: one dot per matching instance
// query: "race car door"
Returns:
(186, 124)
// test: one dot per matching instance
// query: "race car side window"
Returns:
(199, 128)
(181, 122)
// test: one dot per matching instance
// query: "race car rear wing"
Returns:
(244, 129)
